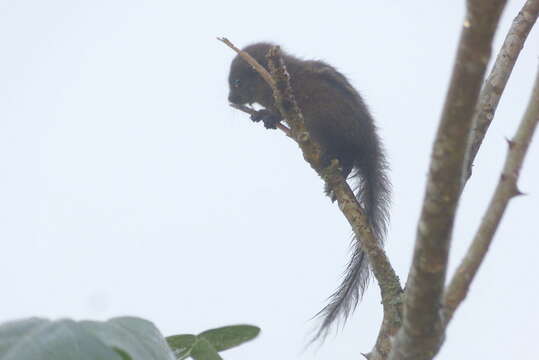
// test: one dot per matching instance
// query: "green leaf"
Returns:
(116, 339)
(11, 332)
(203, 350)
(230, 336)
(181, 345)
(123, 354)
(39, 339)
(137, 337)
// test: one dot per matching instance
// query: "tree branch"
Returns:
(505, 191)
(499, 75)
(421, 333)
(391, 290)
(384, 273)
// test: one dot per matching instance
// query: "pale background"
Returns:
(128, 186)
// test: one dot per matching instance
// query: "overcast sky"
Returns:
(129, 186)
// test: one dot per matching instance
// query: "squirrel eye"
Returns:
(236, 83)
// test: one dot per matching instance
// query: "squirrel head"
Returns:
(246, 86)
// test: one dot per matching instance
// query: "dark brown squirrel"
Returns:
(338, 119)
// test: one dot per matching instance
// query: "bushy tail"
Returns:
(373, 193)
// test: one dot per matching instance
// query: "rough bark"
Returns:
(499, 75)
(505, 191)
(422, 331)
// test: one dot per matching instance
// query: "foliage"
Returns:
(121, 338)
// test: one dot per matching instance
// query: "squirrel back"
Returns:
(338, 119)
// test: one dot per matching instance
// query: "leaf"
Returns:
(137, 337)
(39, 339)
(116, 339)
(181, 344)
(206, 345)
(224, 338)
(203, 350)
(10, 332)
(123, 354)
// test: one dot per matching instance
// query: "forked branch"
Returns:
(494, 86)
(421, 333)
(505, 191)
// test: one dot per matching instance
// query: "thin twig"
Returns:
(505, 191)
(498, 77)
(421, 333)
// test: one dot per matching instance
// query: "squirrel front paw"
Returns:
(269, 119)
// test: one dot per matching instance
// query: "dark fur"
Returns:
(337, 118)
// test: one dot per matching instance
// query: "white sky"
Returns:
(129, 186)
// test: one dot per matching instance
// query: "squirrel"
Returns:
(338, 119)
